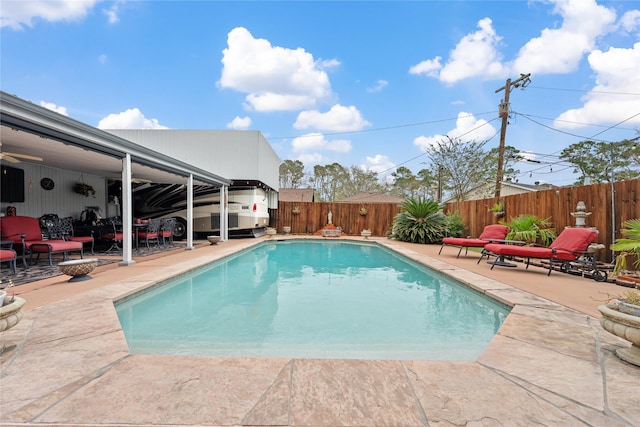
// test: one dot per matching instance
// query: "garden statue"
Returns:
(580, 215)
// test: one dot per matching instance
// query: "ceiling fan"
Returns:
(16, 157)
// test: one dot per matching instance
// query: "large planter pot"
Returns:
(625, 326)
(10, 314)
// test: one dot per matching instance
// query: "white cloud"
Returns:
(129, 119)
(468, 128)
(476, 54)
(112, 12)
(274, 78)
(240, 123)
(21, 14)
(311, 159)
(616, 73)
(53, 107)
(630, 21)
(381, 165)
(338, 119)
(380, 84)
(560, 50)
(556, 50)
(102, 58)
(317, 142)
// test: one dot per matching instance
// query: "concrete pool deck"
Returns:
(551, 363)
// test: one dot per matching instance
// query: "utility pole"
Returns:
(523, 81)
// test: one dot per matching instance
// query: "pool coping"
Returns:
(547, 364)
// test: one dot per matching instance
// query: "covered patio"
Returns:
(42, 140)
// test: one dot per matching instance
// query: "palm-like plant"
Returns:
(530, 229)
(421, 221)
(627, 245)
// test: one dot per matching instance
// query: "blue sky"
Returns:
(364, 83)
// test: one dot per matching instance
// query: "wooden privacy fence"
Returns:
(313, 216)
(556, 204)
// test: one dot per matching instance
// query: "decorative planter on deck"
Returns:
(10, 314)
(625, 326)
(78, 268)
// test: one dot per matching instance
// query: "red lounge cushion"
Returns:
(569, 241)
(494, 231)
(54, 246)
(462, 241)
(7, 255)
(11, 227)
(83, 239)
(575, 239)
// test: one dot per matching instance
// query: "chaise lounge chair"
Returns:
(494, 232)
(569, 247)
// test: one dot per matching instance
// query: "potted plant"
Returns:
(628, 245)
(530, 229)
(497, 209)
(84, 189)
(621, 317)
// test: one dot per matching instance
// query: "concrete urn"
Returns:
(625, 326)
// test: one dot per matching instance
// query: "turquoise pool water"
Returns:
(314, 299)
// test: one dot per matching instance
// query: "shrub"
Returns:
(627, 245)
(456, 226)
(421, 221)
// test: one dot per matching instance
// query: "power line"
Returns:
(385, 128)
(585, 91)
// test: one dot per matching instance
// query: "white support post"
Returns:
(224, 214)
(190, 212)
(127, 211)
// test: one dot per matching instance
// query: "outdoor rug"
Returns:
(42, 270)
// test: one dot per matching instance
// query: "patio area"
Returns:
(550, 364)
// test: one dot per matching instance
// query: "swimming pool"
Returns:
(313, 299)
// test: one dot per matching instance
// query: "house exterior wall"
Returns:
(232, 154)
(61, 200)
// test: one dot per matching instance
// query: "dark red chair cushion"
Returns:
(494, 231)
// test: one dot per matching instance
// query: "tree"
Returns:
(291, 174)
(463, 165)
(330, 182)
(360, 181)
(604, 161)
(403, 182)
(511, 157)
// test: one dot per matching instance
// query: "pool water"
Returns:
(312, 299)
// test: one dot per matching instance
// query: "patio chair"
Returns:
(10, 256)
(570, 247)
(151, 232)
(62, 228)
(26, 235)
(108, 232)
(166, 230)
(491, 233)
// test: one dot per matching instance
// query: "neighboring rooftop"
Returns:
(296, 195)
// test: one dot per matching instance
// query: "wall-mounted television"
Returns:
(11, 185)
